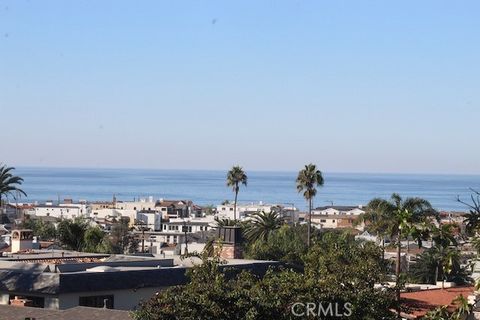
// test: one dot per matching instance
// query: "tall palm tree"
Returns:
(400, 216)
(309, 178)
(235, 177)
(9, 183)
(262, 225)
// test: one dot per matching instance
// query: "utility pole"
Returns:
(185, 230)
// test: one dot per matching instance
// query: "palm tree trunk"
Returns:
(309, 224)
(235, 204)
(407, 255)
(397, 267)
(436, 274)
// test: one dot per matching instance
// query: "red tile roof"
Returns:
(420, 302)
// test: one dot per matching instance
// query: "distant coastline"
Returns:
(208, 186)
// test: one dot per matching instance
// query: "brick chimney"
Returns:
(231, 242)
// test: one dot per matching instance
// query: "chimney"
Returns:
(231, 242)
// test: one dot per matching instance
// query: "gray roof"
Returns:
(77, 313)
(58, 283)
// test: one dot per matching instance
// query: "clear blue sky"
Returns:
(368, 86)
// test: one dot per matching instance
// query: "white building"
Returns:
(340, 221)
(61, 211)
(150, 219)
(140, 205)
(226, 211)
(339, 210)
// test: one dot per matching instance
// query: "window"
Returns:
(164, 227)
(323, 220)
(134, 208)
(96, 301)
(164, 209)
(174, 239)
(231, 209)
(190, 229)
(168, 239)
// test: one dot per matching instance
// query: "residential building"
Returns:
(59, 280)
(226, 211)
(339, 210)
(340, 221)
(174, 208)
(62, 211)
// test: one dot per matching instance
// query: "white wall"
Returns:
(58, 212)
(135, 205)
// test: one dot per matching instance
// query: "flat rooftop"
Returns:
(77, 313)
(61, 272)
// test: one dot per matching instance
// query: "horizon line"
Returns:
(253, 170)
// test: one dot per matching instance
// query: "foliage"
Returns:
(308, 179)
(121, 239)
(442, 312)
(399, 218)
(338, 269)
(225, 222)
(390, 216)
(287, 244)
(235, 177)
(45, 230)
(443, 263)
(71, 233)
(209, 210)
(472, 220)
(262, 224)
(93, 240)
(9, 183)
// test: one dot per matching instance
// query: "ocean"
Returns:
(209, 187)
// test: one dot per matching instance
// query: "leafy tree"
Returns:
(439, 263)
(308, 180)
(286, 244)
(44, 229)
(399, 217)
(235, 177)
(338, 269)
(71, 233)
(93, 240)
(122, 239)
(262, 225)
